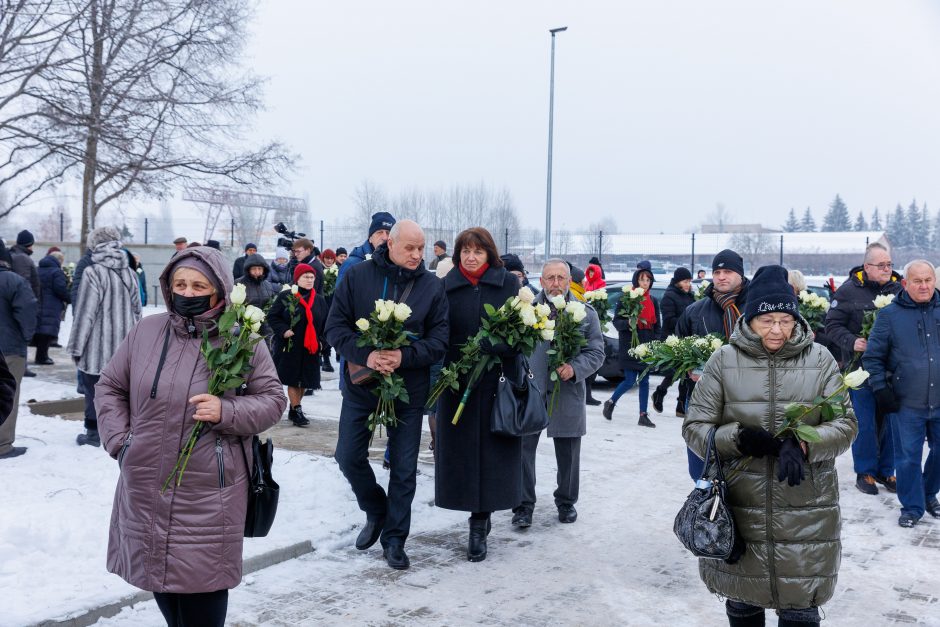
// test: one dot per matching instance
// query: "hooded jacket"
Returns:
(792, 533)
(24, 266)
(55, 296)
(593, 278)
(259, 292)
(189, 538)
(847, 310)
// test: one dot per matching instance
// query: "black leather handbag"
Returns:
(518, 410)
(705, 525)
(263, 490)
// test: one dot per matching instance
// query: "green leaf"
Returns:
(489, 309)
(807, 433)
(794, 410)
(827, 413)
(233, 383)
(818, 400)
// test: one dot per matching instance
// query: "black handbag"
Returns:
(518, 411)
(705, 525)
(263, 490)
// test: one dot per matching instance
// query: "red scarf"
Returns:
(310, 335)
(647, 319)
(474, 277)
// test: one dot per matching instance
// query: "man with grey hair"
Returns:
(568, 418)
(873, 449)
(108, 308)
(903, 358)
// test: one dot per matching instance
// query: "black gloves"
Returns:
(499, 350)
(790, 465)
(885, 401)
(757, 442)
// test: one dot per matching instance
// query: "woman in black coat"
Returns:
(475, 470)
(297, 345)
(678, 296)
(55, 297)
(648, 327)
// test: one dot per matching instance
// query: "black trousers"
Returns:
(199, 609)
(91, 415)
(42, 346)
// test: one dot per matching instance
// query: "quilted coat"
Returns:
(188, 538)
(792, 533)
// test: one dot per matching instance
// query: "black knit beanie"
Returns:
(681, 274)
(728, 260)
(770, 292)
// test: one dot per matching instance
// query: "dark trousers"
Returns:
(352, 455)
(88, 382)
(199, 609)
(667, 382)
(42, 346)
(739, 613)
(568, 459)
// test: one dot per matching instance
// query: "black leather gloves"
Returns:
(757, 442)
(885, 401)
(790, 465)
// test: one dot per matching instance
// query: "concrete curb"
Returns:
(56, 408)
(251, 565)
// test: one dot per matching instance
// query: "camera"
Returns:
(289, 236)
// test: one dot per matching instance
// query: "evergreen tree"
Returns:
(875, 220)
(935, 240)
(918, 231)
(792, 224)
(860, 224)
(900, 232)
(808, 224)
(837, 218)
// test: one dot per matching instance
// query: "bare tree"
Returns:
(754, 248)
(720, 217)
(368, 198)
(154, 96)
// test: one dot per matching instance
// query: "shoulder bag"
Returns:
(359, 374)
(705, 525)
(518, 411)
(263, 490)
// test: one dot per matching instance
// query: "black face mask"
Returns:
(191, 306)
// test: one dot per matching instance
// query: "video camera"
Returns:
(289, 236)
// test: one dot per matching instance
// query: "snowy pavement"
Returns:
(619, 564)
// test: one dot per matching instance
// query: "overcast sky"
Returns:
(663, 108)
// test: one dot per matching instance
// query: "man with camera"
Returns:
(303, 252)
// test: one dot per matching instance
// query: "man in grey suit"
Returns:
(568, 421)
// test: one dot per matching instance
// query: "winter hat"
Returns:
(595, 261)
(281, 253)
(769, 292)
(728, 260)
(341, 251)
(327, 254)
(641, 271)
(103, 234)
(25, 238)
(302, 269)
(681, 274)
(512, 263)
(212, 243)
(381, 221)
(250, 245)
(199, 265)
(577, 274)
(441, 244)
(53, 249)
(644, 265)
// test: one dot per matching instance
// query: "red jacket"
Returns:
(593, 279)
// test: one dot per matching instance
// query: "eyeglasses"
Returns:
(785, 325)
(556, 278)
(881, 266)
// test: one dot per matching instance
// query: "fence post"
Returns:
(322, 243)
(232, 238)
(600, 246)
(61, 227)
(781, 250)
(146, 230)
(506, 241)
(693, 255)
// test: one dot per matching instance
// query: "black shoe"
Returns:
(593, 402)
(680, 411)
(567, 513)
(16, 451)
(29, 373)
(44, 362)
(55, 345)
(90, 438)
(476, 545)
(645, 421)
(907, 521)
(890, 483)
(658, 397)
(522, 517)
(609, 410)
(327, 366)
(396, 557)
(296, 415)
(370, 533)
(866, 484)
(308, 393)
(933, 508)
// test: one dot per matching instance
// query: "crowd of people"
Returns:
(146, 381)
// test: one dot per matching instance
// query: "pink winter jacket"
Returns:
(188, 539)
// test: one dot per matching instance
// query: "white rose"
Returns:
(626, 289)
(238, 295)
(385, 314)
(636, 292)
(526, 295)
(805, 296)
(549, 324)
(285, 288)
(672, 340)
(527, 314)
(253, 314)
(704, 286)
(294, 289)
(558, 302)
(716, 343)
(640, 351)
(255, 327)
(548, 335)
(543, 310)
(855, 378)
(362, 324)
(402, 311)
(577, 311)
(884, 300)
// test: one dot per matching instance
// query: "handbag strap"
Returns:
(406, 292)
(248, 467)
(711, 450)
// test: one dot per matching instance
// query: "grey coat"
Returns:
(24, 266)
(108, 308)
(569, 416)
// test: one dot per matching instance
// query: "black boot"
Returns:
(644, 420)
(89, 438)
(476, 547)
(296, 416)
(609, 409)
(658, 397)
(327, 366)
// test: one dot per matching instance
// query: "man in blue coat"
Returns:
(379, 228)
(903, 359)
(395, 271)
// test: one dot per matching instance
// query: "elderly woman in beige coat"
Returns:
(183, 544)
(785, 499)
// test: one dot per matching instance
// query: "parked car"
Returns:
(611, 370)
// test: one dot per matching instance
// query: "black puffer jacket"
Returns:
(674, 302)
(848, 307)
(55, 296)
(705, 316)
(260, 291)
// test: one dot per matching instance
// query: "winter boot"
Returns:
(644, 420)
(609, 409)
(476, 547)
(296, 415)
(680, 410)
(89, 438)
(658, 397)
(327, 366)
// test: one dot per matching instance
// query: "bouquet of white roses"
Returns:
(631, 304)
(385, 330)
(228, 363)
(680, 354)
(813, 308)
(700, 292)
(598, 300)
(329, 279)
(517, 323)
(291, 302)
(868, 322)
(568, 340)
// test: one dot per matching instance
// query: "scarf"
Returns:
(647, 317)
(731, 312)
(310, 334)
(474, 277)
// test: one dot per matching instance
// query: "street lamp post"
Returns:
(551, 114)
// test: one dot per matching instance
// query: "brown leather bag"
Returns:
(359, 374)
